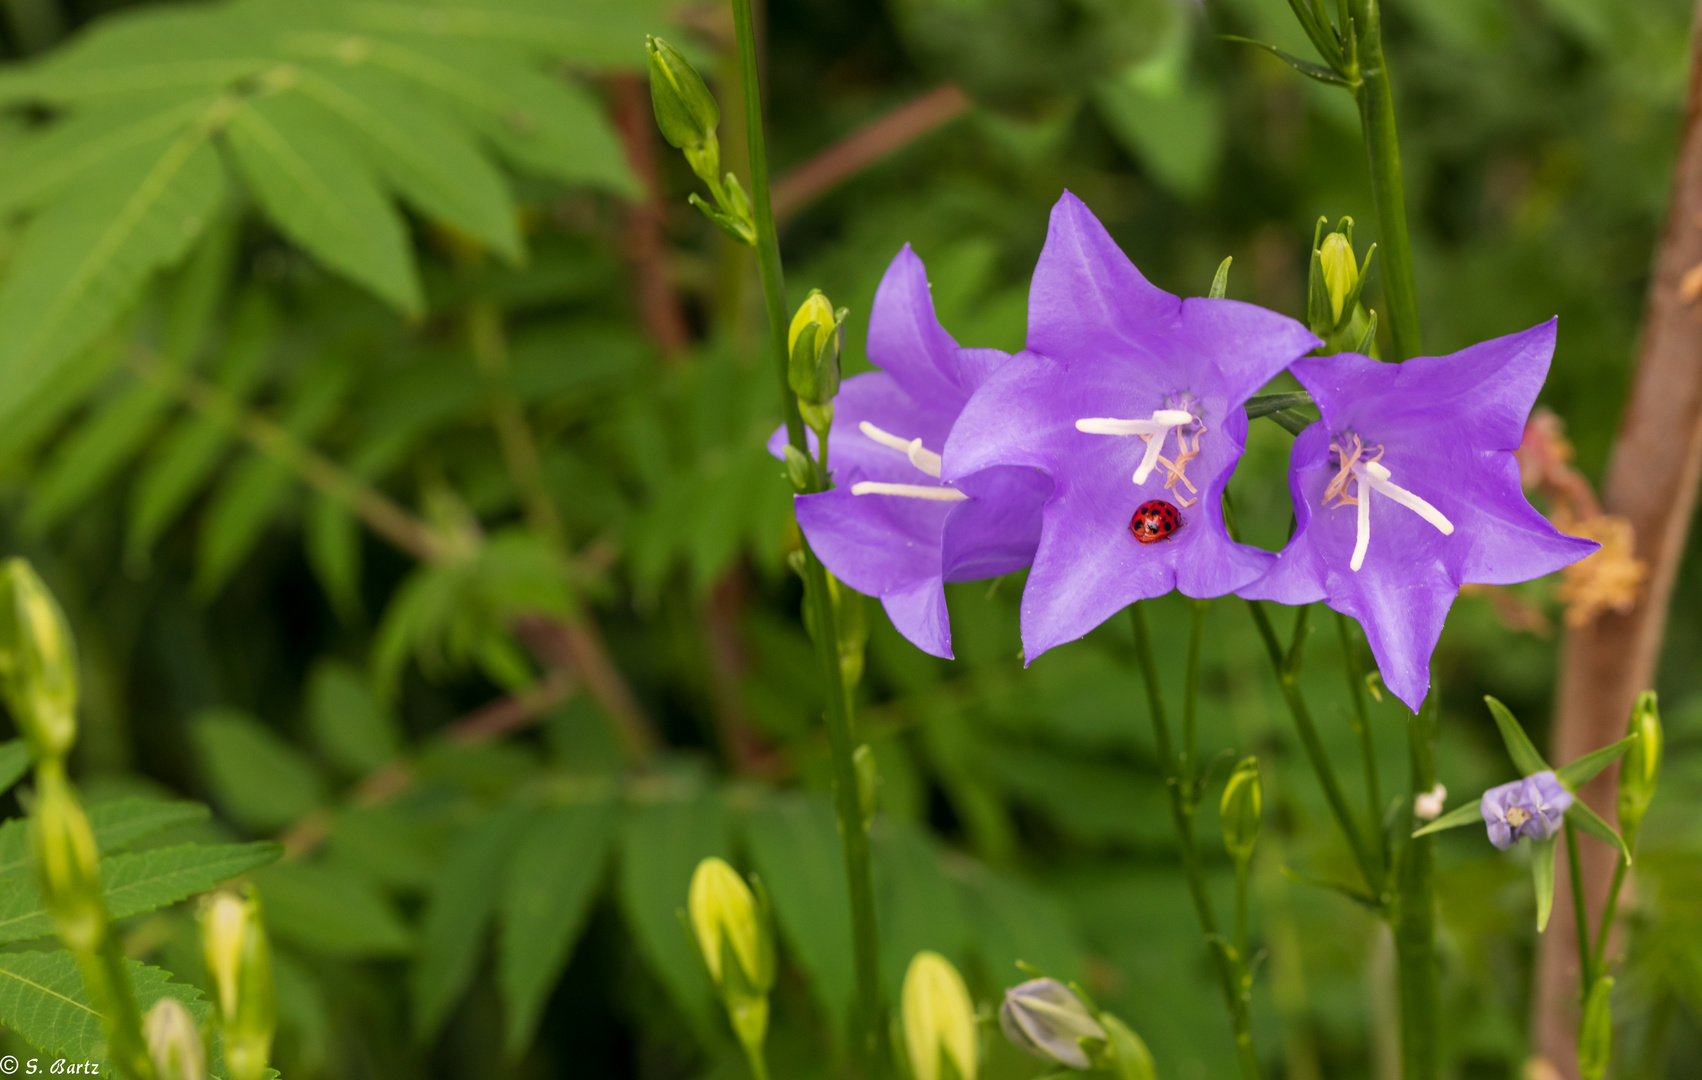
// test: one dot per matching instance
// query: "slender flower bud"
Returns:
(813, 368)
(798, 469)
(67, 860)
(1341, 273)
(38, 662)
(1043, 1017)
(731, 926)
(174, 1043)
(1641, 766)
(1595, 1031)
(1241, 809)
(233, 939)
(685, 109)
(868, 782)
(939, 1019)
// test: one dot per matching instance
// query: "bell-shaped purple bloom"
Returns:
(1407, 488)
(890, 527)
(1126, 395)
(1529, 808)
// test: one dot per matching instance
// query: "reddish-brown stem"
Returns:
(646, 239)
(865, 146)
(1651, 480)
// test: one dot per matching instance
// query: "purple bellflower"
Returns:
(1125, 395)
(1407, 488)
(891, 528)
(1532, 807)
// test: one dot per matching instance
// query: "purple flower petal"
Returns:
(1532, 808)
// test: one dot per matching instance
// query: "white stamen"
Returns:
(1371, 476)
(909, 491)
(924, 459)
(1362, 538)
(1149, 460)
(1153, 430)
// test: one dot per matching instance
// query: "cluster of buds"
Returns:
(1057, 1023)
(687, 114)
(1334, 281)
(239, 958)
(732, 926)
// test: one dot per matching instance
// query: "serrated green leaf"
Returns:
(348, 725)
(117, 824)
(794, 846)
(43, 1001)
(1542, 877)
(258, 779)
(331, 910)
(93, 452)
(136, 882)
(424, 157)
(1468, 814)
(1576, 774)
(1519, 747)
(322, 194)
(661, 846)
(82, 261)
(1587, 820)
(463, 898)
(546, 893)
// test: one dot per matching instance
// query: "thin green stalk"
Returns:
(868, 1022)
(107, 983)
(1376, 103)
(1190, 761)
(1608, 914)
(1288, 678)
(1413, 913)
(1580, 913)
(1230, 972)
(758, 1062)
(1362, 727)
(1241, 909)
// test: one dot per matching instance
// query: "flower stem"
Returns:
(1241, 909)
(1608, 913)
(868, 1022)
(758, 1061)
(1189, 764)
(1376, 103)
(1230, 969)
(1413, 914)
(1580, 913)
(1362, 727)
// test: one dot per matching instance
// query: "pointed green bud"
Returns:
(67, 861)
(868, 782)
(1242, 809)
(685, 109)
(939, 1020)
(1641, 766)
(1127, 1056)
(730, 923)
(38, 662)
(1341, 273)
(813, 368)
(174, 1043)
(798, 469)
(1595, 1031)
(239, 958)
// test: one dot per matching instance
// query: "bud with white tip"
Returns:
(38, 662)
(730, 922)
(174, 1042)
(239, 957)
(1043, 1017)
(939, 1021)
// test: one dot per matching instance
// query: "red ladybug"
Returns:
(1155, 521)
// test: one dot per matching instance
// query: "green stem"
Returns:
(868, 1022)
(1376, 103)
(1362, 727)
(1189, 765)
(1241, 909)
(1580, 913)
(1230, 971)
(1413, 915)
(1608, 914)
(758, 1061)
(108, 986)
(1288, 678)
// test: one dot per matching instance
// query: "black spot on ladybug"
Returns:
(1155, 521)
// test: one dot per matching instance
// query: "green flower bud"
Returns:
(1341, 274)
(1127, 1055)
(731, 926)
(798, 469)
(233, 940)
(939, 1019)
(1241, 809)
(685, 109)
(1595, 1032)
(813, 368)
(1641, 766)
(38, 662)
(67, 861)
(868, 782)
(174, 1043)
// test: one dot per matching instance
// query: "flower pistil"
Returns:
(1369, 474)
(1183, 421)
(923, 459)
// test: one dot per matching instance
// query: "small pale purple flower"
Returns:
(1530, 808)
(891, 528)
(1407, 488)
(1045, 1018)
(1125, 395)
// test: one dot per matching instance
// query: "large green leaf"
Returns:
(660, 847)
(348, 725)
(64, 154)
(332, 910)
(117, 824)
(1013, 921)
(94, 451)
(546, 893)
(135, 883)
(81, 261)
(258, 778)
(14, 762)
(916, 906)
(42, 1000)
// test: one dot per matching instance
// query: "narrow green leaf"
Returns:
(14, 762)
(1519, 747)
(259, 779)
(93, 452)
(1305, 67)
(1587, 820)
(348, 725)
(1576, 774)
(321, 192)
(1542, 876)
(546, 895)
(1358, 896)
(1265, 404)
(794, 846)
(1469, 814)
(334, 552)
(43, 1001)
(1290, 421)
(1220, 282)
(1012, 920)
(661, 845)
(117, 823)
(331, 910)
(463, 898)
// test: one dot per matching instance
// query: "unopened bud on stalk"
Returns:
(233, 940)
(1595, 1031)
(1341, 275)
(38, 662)
(1334, 282)
(813, 367)
(1127, 1054)
(67, 861)
(1241, 809)
(939, 1020)
(1043, 1017)
(868, 782)
(798, 469)
(1641, 767)
(174, 1043)
(685, 109)
(731, 926)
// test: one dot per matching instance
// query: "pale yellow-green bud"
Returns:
(174, 1043)
(815, 309)
(1640, 769)
(38, 662)
(812, 345)
(67, 860)
(1127, 1056)
(1341, 272)
(685, 109)
(238, 956)
(939, 1019)
(1595, 1031)
(724, 913)
(1241, 809)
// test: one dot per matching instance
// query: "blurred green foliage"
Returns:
(247, 242)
